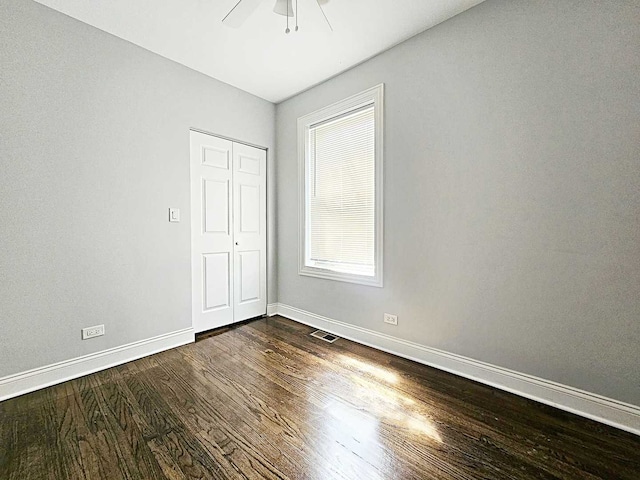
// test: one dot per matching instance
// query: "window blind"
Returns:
(341, 193)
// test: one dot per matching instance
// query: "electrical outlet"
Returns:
(391, 319)
(91, 332)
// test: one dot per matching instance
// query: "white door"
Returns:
(250, 236)
(225, 209)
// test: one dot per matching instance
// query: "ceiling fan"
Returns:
(244, 8)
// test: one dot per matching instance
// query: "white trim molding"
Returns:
(373, 96)
(590, 405)
(272, 309)
(31, 380)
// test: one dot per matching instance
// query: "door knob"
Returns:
(236, 243)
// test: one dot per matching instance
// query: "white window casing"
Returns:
(340, 168)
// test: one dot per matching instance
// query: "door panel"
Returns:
(249, 287)
(216, 281)
(249, 208)
(211, 232)
(249, 164)
(216, 206)
(250, 236)
(217, 157)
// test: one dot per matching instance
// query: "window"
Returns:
(340, 164)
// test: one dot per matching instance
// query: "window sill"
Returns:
(340, 277)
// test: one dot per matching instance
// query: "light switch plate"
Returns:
(174, 214)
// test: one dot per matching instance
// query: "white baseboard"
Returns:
(272, 309)
(589, 405)
(25, 382)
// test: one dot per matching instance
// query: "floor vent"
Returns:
(327, 337)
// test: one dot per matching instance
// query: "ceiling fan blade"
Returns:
(238, 14)
(320, 3)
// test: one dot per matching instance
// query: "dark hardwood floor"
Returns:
(266, 400)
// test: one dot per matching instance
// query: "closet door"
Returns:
(211, 231)
(228, 231)
(250, 231)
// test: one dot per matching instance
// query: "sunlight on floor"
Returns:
(373, 392)
(394, 408)
(374, 370)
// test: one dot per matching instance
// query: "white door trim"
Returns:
(234, 140)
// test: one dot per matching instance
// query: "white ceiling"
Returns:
(259, 57)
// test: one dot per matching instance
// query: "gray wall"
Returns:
(94, 148)
(512, 198)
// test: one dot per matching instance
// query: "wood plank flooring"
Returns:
(266, 400)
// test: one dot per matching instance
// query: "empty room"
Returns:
(320, 239)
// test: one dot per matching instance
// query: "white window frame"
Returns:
(373, 96)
